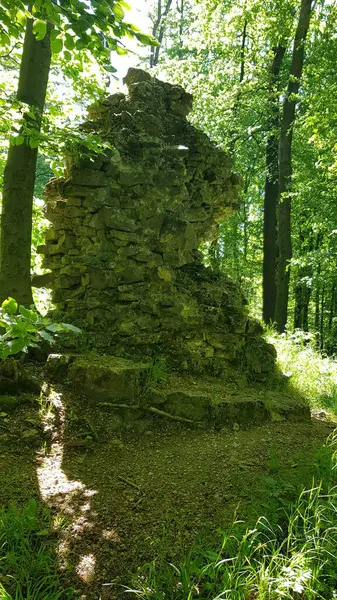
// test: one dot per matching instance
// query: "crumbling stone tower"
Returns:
(126, 230)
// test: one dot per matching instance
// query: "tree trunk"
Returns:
(319, 240)
(271, 193)
(303, 286)
(19, 175)
(181, 20)
(233, 132)
(321, 325)
(159, 30)
(285, 167)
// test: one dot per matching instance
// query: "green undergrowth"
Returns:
(311, 374)
(28, 560)
(295, 559)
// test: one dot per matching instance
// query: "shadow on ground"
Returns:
(131, 488)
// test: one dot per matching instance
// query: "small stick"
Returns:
(111, 405)
(126, 480)
(162, 413)
(151, 409)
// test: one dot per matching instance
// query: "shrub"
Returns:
(25, 328)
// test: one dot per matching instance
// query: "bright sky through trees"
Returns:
(139, 15)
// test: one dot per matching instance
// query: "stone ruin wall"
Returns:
(123, 247)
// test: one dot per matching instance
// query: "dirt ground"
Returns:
(123, 490)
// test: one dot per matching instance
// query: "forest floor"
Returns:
(148, 489)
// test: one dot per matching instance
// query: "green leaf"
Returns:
(21, 18)
(121, 51)
(4, 39)
(104, 10)
(46, 336)
(15, 346)
(10, 306)
(69, 42)
(33, 142)
(147, 40)
(110, 69)
(30, 315)
(80, 45)
(118, 12)
(69, 327)
(39, 29)
(62, 327)
(54, 327)
(19, 140)
(56, 46)
(67, 55)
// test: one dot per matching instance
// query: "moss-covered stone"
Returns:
(127, 226)
(107, 377)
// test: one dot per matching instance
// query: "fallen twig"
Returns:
(151, 409)
(162, 413)
(126, 480)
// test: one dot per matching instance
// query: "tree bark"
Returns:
(271, 193)
(19, 175)
(285, 167)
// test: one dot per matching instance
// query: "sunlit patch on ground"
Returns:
(86, 568)
(69, 497)
(111, 535)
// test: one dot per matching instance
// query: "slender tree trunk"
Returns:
(285, 167)
(332, 304)
(19, 176)
(302, 299)
(319, 240)
(305, 307)
(271, 192)
(232, 133)
(159, 30)
(303, 285)
(321, 325)
(317, 309)
(180, 9)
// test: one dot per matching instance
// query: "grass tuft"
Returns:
(28, 562)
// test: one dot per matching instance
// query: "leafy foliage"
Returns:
(310, 373)
(25, 328)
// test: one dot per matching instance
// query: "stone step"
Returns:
(108, 378)
(247, 406)
(115, 383)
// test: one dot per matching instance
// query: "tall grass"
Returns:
(295, 560)
(28, 562)
(312, 374)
